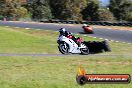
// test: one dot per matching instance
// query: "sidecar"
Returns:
(97, 46)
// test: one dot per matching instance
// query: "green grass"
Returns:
(23, 41)
(58, 72)
(53, 71)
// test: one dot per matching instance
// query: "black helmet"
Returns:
(62, 30)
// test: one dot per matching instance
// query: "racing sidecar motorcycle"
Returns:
(67, 46)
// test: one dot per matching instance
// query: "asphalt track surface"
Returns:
(110, 34)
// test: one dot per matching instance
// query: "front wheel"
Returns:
(64, 48)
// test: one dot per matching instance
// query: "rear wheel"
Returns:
(92, 32)
(64, 48)
(84, 51)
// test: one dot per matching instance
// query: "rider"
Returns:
(85, 26)
(63, 32)
(69, 35)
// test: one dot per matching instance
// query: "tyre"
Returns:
(89, 32)
(81, 80)
(84, 51)
(92, 32)
(106, 46)
(64, 48)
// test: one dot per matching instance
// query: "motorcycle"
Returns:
(67, 46)
(88, 29)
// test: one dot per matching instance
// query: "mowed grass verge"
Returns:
(26, 41)
(60, 72)
(53, 71)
